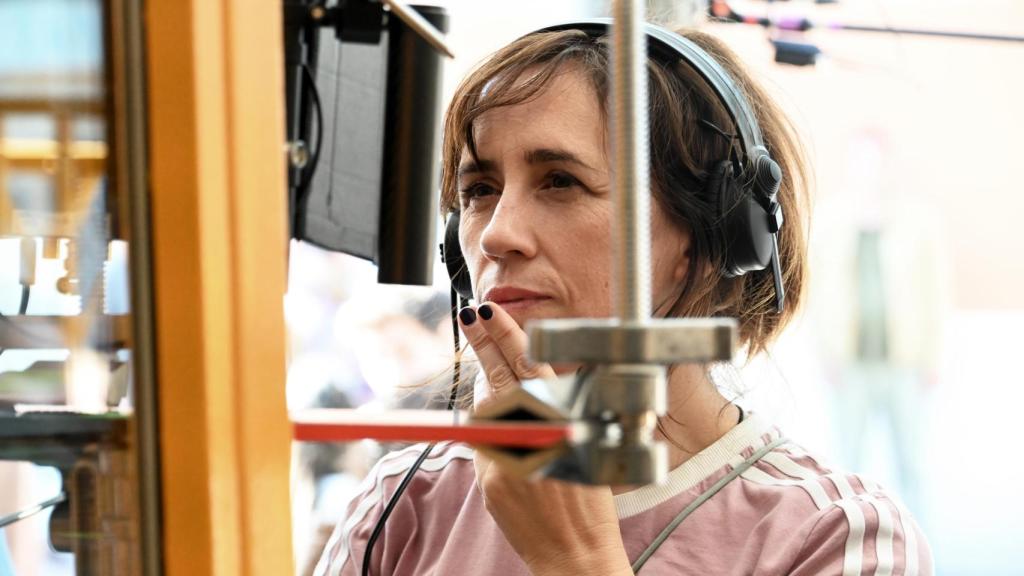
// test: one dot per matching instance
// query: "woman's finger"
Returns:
(496, 369)
(513, 343)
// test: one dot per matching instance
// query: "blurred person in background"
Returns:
(881, 294)
(395, 354)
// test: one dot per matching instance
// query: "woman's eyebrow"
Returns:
(535, 156)
(543, 155)
(475, 167)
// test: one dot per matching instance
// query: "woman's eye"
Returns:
(562, 180)
(476, 190)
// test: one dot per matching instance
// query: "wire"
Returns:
(581, 386)
(938, 33)
(13, 326)
(22, 308)
(379, 528)
(457, 371)
(32, 510)
(722, 12)
(457, 303)
(307, 180)
(701, 499)
(26, 290)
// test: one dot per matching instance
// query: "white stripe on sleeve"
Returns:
(883, 538)
(790, 467)
(848, 501)
(911, 567)
(854, 555)
(842, 484)
(813, 488)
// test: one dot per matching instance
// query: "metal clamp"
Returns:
(614, 341)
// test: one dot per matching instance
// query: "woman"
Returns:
(527, 166)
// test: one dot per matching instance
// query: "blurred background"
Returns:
(900, 367)
(913, 141)
(64, 272)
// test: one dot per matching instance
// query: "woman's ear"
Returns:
(679, 273)
(683, 263)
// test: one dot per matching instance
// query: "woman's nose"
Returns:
(510, 230)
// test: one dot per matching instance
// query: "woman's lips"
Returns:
(520, 304)
(514, 299)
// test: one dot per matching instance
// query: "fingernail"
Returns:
(467, 315)
(485, 312)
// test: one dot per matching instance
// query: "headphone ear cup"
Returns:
(747, 239)
(451, 255)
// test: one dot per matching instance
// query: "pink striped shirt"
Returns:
(787, 514)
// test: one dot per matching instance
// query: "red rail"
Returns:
(339, 425)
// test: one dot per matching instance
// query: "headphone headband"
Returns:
(667, 46)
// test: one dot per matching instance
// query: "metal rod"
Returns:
(631, 189)
(420, 25)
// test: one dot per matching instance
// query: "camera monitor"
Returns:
(365, 94)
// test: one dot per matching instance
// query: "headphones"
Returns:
(746, 187)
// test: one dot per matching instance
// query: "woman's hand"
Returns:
(555, 527)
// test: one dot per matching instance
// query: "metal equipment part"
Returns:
(622, 385)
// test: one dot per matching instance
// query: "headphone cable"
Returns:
(379, 528)
(26, 291)
(310, 171)
(457, 303)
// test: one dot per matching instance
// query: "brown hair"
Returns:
(684, 151)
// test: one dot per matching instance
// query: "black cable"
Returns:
(32, 510)
(26, 290)
(579, 383)
(722, 12)
(314, 161)
(379, 528)
(22, 309)
(938, 33)
(457, 303)
(11, 325)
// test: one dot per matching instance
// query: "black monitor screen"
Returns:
(374, 189)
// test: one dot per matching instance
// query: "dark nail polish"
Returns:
(485, 312)
(467, 315)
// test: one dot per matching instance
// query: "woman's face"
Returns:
(536, 212)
